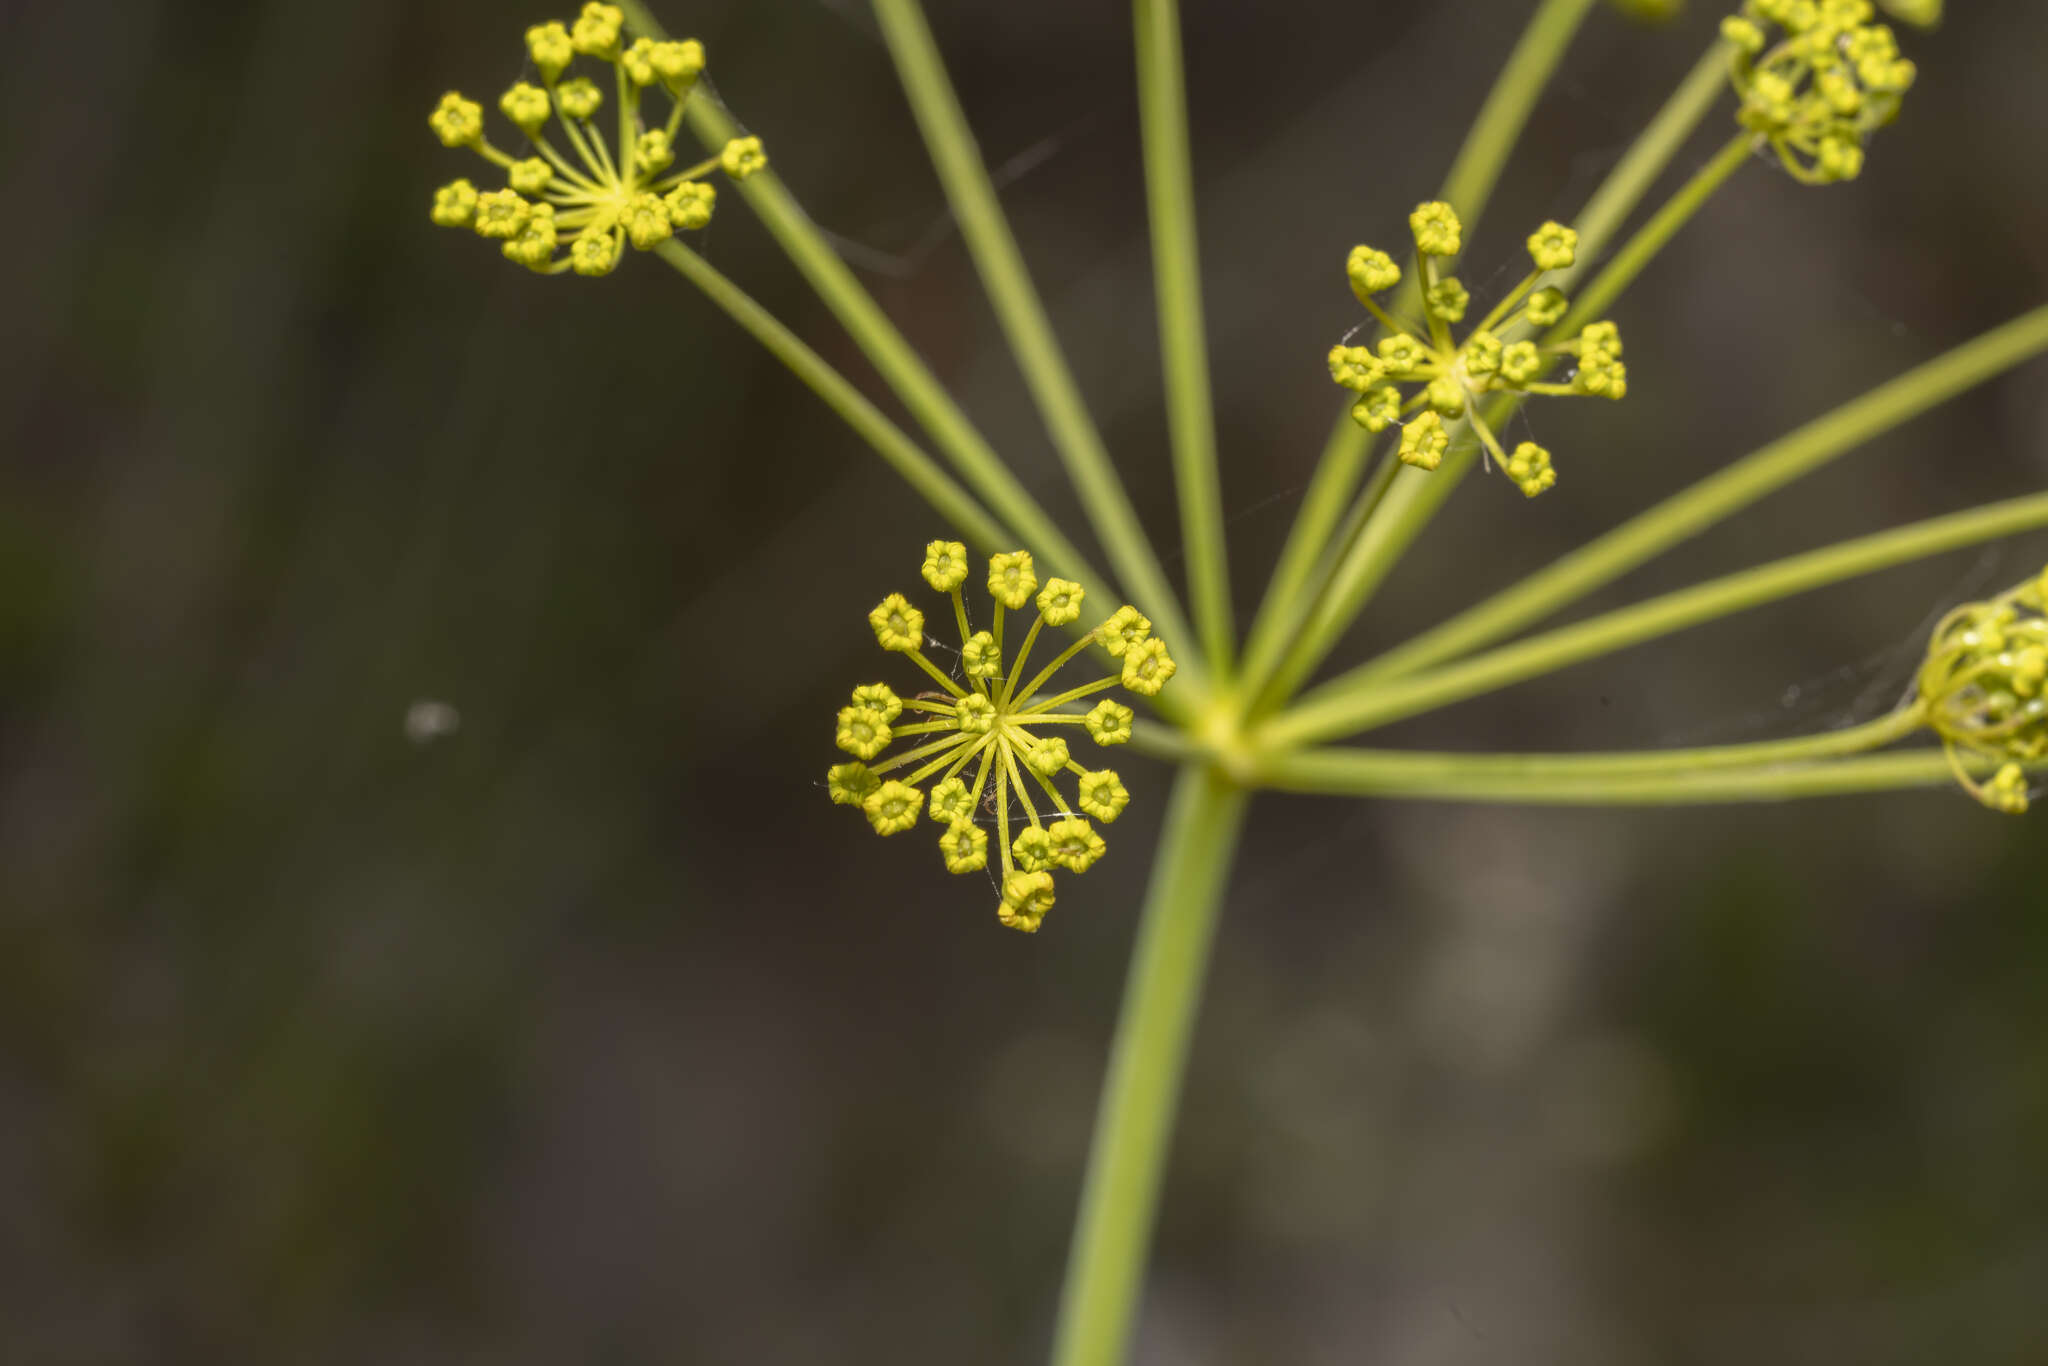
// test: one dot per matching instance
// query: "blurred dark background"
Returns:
(589, 1031)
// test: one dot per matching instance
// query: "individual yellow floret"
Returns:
(950, 802)
(1553, 247)
(1047, 758)
(1102, 795)
(690, 204)
(501, 214)
(892, 808)
(1026, 899)
(1436, 228)
(1424, 441)
(1074, 844)
(980, 659)
(898, 626)
(548, 44)
(945, 565)
(594, 253)
(1032, 849)
(1371, 272)
(527, 106)
(1127, 626)
(881, 697)
(1059, 602)
(1147, 666)
(863, 732)
(1529, 467)
(977, 715)
(578, 97)
(964, 847)
(850, 784)
(1109, 723)
(455, 204)
(743, 157)
(1011, 579)
(596, 31)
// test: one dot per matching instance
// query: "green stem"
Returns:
(1469, 185)
(1020, 312)
(1311, 610)
(1134, 1122)
(1350, 704)
(918, 469)
(1500, 778)
(1183, 346)
(1718, 496)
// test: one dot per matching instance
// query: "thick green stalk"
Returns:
(1720, 495)
(1497, 778)
(1134, 1122)
(919, 470)
(1350, 704)
(1183, 344)
(1022, 315)
(1311, 613)
(1469, 186)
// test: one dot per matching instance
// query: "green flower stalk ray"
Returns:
(1813, 81)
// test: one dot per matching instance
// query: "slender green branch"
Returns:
(1498, 778)
(1291, 592)
(1720, 495)
(1350, 703)
(1021, 314)
(1310, 610)
(1134, 1122)
(1183, 344)
(919, 470)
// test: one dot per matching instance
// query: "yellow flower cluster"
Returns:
(995, 721)
(556, 213)
(1982, 688)
(1450, 376)
(1823, 88)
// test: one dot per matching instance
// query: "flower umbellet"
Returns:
(1819, 92)
(1449, 375)
(991, 741)
(556, 214)
(1982, 689)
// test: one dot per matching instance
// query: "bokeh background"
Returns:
(588, 1031)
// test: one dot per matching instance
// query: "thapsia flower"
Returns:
(994, 725)
(1982, 689)
(1825, 86)
(1450, 376)
(555, 214)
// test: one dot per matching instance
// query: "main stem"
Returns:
(1134, 1123)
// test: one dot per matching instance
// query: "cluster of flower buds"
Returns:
(587, 209)
(1982, 689)
(1831, 79)
(1498, 354)
(993, 720)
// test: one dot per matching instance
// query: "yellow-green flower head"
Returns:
(646, 221)
(977, 714)
(1547, 307)
(899, 627)
(1371, 272)
(850, 784)
(863, 732)
(653, 152)
(1354, 367)
(743, 157)
(501, 214)
(1446, 397)
(979, 657)
(964, 847)
(678, 64)
(1922, 13)
(1033, 849)
(637, 62)
(1377, 409)
(1026, 899)
(945, 565)
(594, 254)
(579, 97)
(1436, 228)
(1403, 357)
(892, 808)
(1147, 666)
(596, 33)
(1074, 844)
(1048, 758)
(1126, 627)
(530, 176)
(1982, 688)
(881, 697)
(1817, 96)
(455, 204)
(456, 121)
(1103, 795)
(534, 247)
(950, 802)
(527, 107)
(1059, 602)
(1447, 299)
(1601, 375)
(1424, 441)
(1529, 468)
(548, 45)
(1011, 579)
(1553, 247)
(1109, 723)
(1521, 362)
(690, 204)
(1603, 336)
(1481, 356)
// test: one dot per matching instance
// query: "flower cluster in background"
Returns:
(1982, 689)
(1818, 93)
